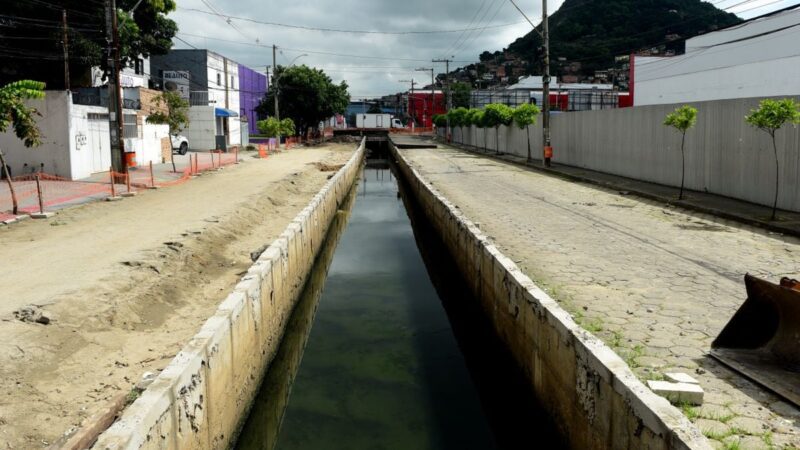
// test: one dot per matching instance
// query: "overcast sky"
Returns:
(392, 57)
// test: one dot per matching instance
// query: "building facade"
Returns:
(253, 88)
(757, 58)
(210, 82)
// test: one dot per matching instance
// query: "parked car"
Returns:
(179, 143)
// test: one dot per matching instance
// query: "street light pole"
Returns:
(410, 99)
(547, 150)
(448, 94)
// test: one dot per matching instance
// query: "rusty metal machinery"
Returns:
(762, 340)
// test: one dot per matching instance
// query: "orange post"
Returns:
(39, 192)
(236, 154)
(152, 178)
(113, 190)
(128, 181)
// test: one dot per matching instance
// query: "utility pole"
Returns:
(114, 89)
(275, 83)
(547, 150)
(448, 94)
(410, 100)
(65, 45)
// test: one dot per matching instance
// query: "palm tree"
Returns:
(15, 114)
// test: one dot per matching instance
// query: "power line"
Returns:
(339, 30)
(471, 22)
(385, 58)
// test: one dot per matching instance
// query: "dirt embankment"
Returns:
(127, 284)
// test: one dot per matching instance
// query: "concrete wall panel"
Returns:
(724, 155)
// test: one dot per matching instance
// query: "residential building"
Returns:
(211, 83)
(757, 58)
(253, 88)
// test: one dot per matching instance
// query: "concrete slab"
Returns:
(678, 392)
(42, 215)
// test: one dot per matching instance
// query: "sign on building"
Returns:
(177, 81)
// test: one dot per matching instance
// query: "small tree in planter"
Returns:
(269, 127)
(14, 114)
(682, 119)
(176, 115)
(287, 127)
(524, 116)
(476, 118)
(497, 114)
(770, 116)
(458, 118)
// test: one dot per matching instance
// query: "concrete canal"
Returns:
(387, 349)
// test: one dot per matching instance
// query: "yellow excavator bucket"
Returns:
(762, 340)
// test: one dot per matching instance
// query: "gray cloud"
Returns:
(366, 77)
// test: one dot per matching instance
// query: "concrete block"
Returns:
(128, 194)
(113, 199)
(679, 377)
(42, 215)
(677, 392)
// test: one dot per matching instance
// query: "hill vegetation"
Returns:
(593, 32)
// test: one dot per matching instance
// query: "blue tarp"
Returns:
(222, 112)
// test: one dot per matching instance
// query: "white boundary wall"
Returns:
(724, 155)
(73, 146)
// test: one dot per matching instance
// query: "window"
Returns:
(232, 85)
(219, 79)
(139, 67)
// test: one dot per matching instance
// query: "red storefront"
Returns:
(421, 108)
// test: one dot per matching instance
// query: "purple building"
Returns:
(252, 89)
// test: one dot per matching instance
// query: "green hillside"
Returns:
(593, 32)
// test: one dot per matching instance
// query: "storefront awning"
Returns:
(222, 112)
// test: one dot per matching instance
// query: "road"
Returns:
(654, 282)
(127, 283)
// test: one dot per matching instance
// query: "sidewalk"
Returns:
(60, 193)
(788, 222)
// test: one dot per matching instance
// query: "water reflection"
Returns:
(382, 368)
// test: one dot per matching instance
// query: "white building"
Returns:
(211, 84)
(758, 58)
(75, 140)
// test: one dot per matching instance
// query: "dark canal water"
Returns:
(389, 351)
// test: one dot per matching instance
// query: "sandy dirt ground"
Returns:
(656, 283)
(127, 283)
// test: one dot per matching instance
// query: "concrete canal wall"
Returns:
(201, 398)
(590, 392)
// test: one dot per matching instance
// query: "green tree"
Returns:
(269, 127)
(458, 118)
(494, 115)
(682, 119)
(37, 37)
(770, 116)
(524, 116)
(440, 120)
(176, 116)
(16, 114)
(475, 117)
(460, 94)
(287, 127)
(306, 95)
